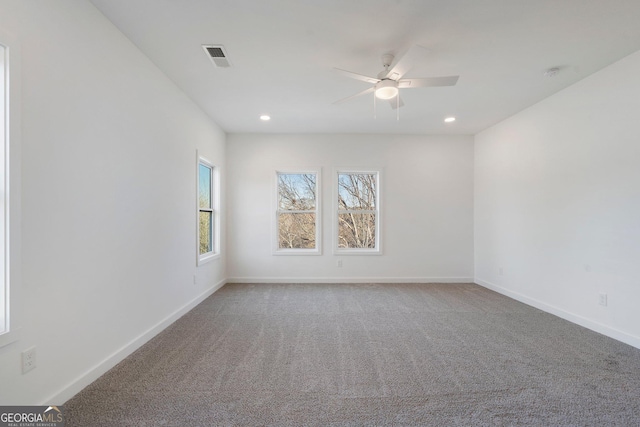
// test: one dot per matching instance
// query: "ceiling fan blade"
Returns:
(364, 92)
(428, 82)
(405, 62)
(357, 76)
(396, 103)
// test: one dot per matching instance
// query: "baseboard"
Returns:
(350, 280)
(571, 317)
(70, 390)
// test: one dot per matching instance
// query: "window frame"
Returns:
(10, 190)
(377, 250)
(214, 198)
(276, 250)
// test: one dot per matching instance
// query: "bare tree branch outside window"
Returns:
(357, 210)
(296, 211)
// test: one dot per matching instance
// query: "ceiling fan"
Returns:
(389, 81)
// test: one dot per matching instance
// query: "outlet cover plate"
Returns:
(28, 360)
(602, 299)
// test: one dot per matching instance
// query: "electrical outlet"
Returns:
(339, 263)
(28, 360)
(501, 271)
(602, 299)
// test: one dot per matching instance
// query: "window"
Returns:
(4, 288)
(297, 213)
(208, 218)
(357, 199)
(9, 230)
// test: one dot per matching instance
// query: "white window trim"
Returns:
(378, 212)
(10, 186)
(215, 209)
(276, 250)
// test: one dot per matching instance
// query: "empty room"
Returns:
(291, 213)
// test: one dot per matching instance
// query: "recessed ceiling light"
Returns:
(450, 119)
(265, 117)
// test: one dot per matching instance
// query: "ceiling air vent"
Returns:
(217, 55)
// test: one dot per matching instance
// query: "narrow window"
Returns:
(9, 190)
(297, 213)
(207, 214)
(5, 324)
(358, 212)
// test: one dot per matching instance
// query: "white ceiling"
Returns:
(283, 53)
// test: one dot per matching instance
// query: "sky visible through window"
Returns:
(205, 186)
(297, 191)
(206, 209)
(357, 191)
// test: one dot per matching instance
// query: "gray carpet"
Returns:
(367, 355)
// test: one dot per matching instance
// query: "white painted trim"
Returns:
(571, 317)
(9, 337)
(11, 204)
(296, 252)
(5, 138)
(215, 211)
(350, 280)
(75, 386)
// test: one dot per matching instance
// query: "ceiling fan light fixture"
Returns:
(386, 89)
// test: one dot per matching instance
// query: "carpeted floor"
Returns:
(367, 355)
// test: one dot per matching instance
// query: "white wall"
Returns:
(108, 199)
(557, 203)
(427, 203)
(108, 196)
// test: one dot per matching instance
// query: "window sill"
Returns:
(9, 337)
(357, 252)
(295, 252)
(207, 258)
